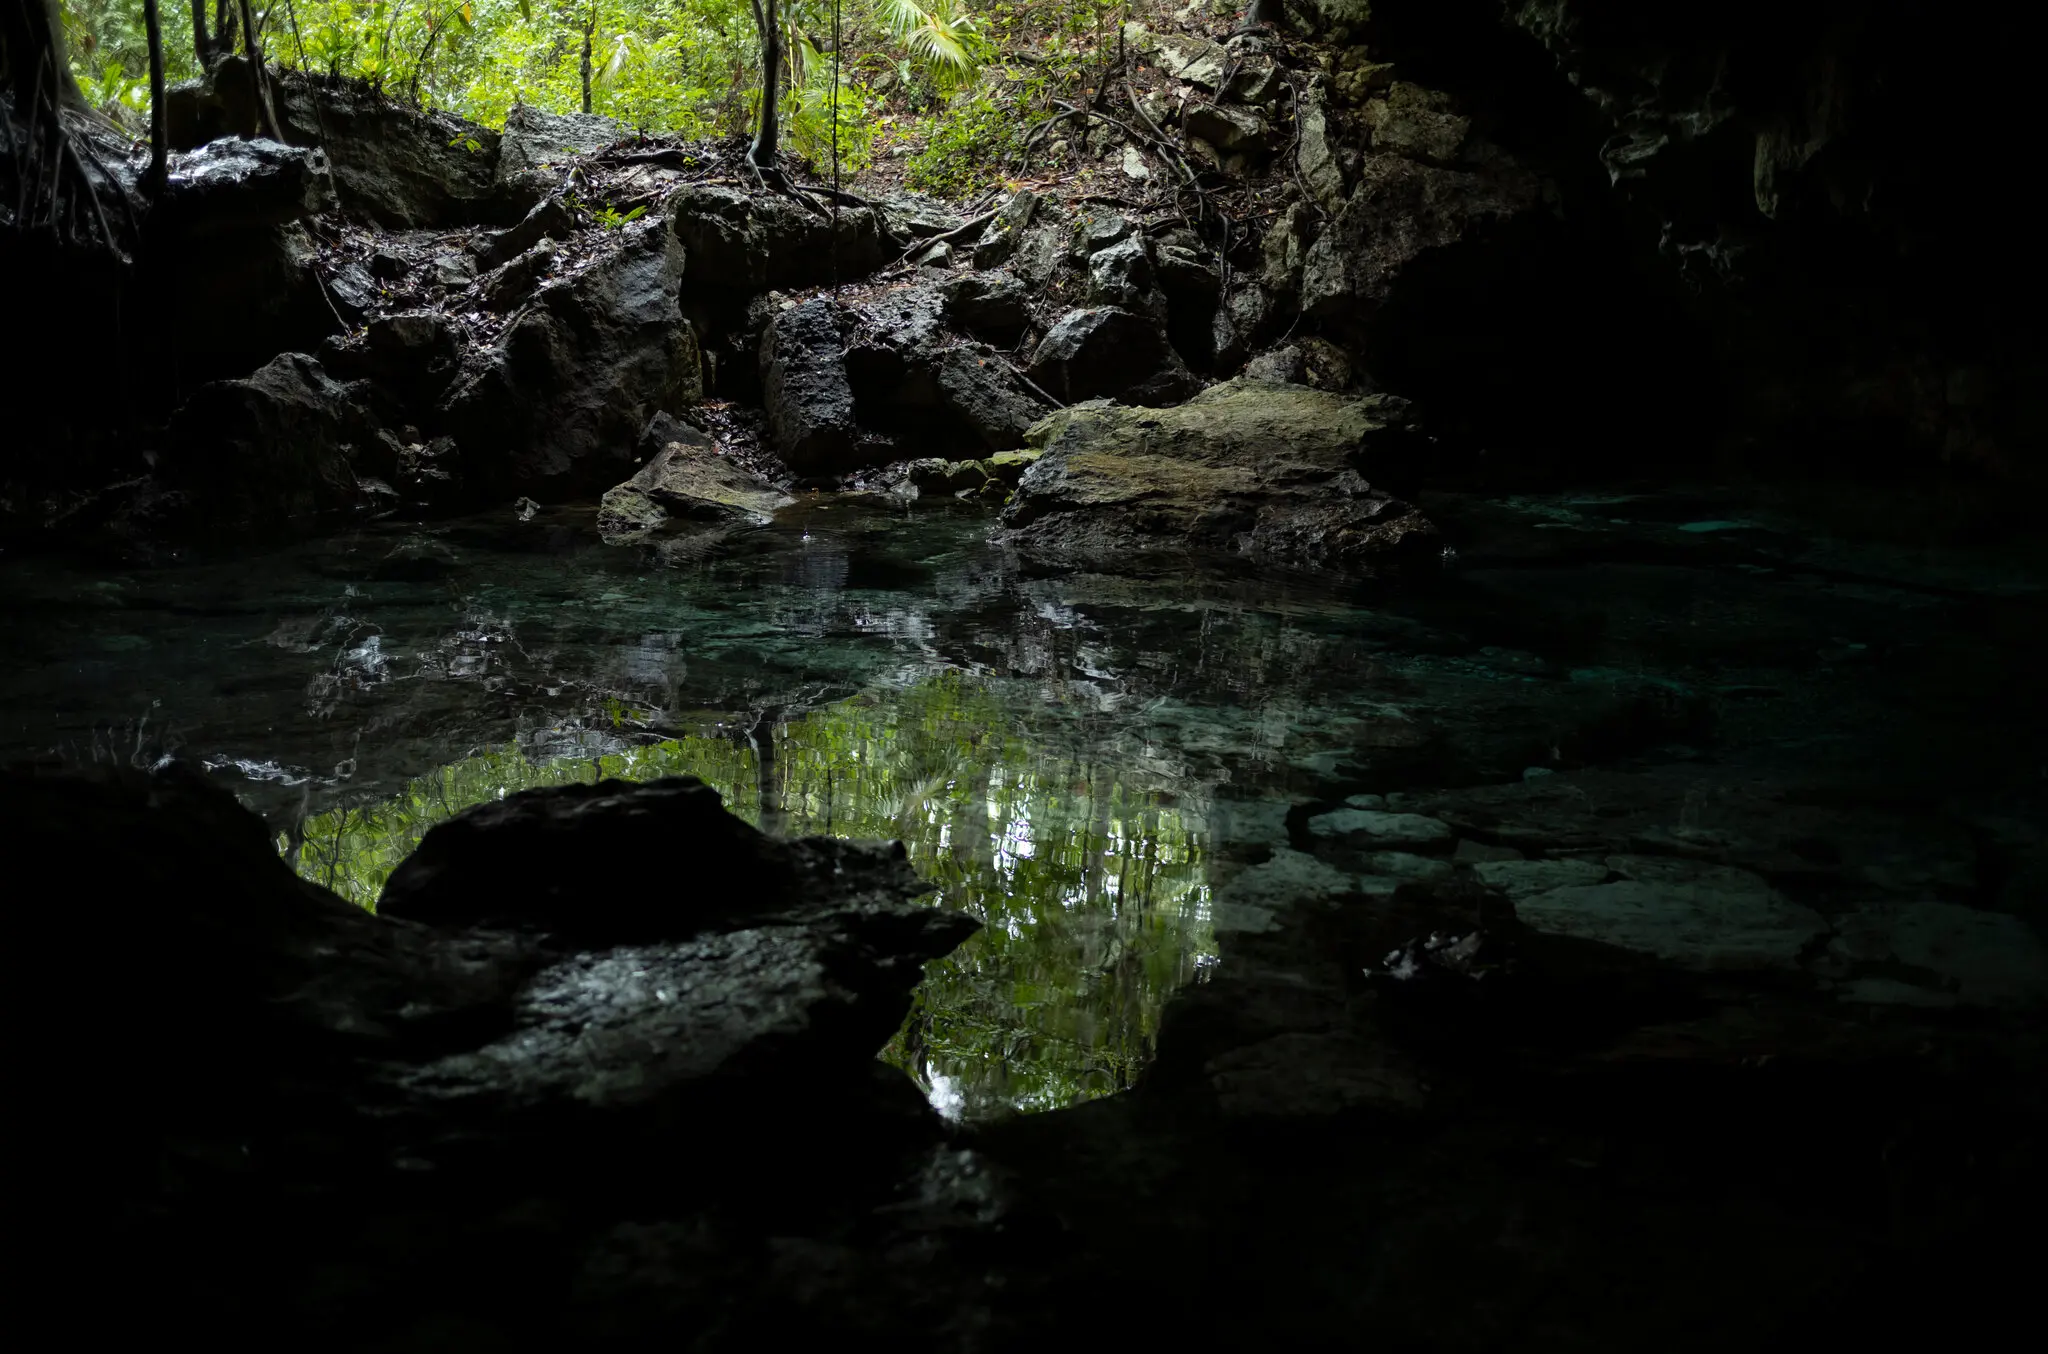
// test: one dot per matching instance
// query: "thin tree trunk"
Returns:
(768, 134)
(201, 44)
(224, 27)
(589, 28)
(266, 113)
(159, 135)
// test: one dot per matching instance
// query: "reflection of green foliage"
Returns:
(1093, 891)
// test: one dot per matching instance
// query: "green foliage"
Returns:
(1094, 892)
(110, 55)
(966, 146)
(687, 67)
(939, 36)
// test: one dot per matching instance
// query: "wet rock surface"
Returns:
(549, 1070)
(1261, 471)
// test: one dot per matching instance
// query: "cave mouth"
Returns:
(1540, 356)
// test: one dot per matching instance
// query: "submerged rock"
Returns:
(1952, 953)
(1687, 913)
(1266, 471)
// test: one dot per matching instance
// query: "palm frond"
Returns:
(939, 33)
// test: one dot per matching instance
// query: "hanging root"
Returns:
(54, 188)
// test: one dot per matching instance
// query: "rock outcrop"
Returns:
(554, 407)
(399, 166)
(282, 442)
(330, 1069)
(753, 241)
(687, 481)
(805, 388)
(1106, 351)
(1269, 472)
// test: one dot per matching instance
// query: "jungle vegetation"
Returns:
(950, 87)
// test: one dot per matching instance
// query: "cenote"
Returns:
(975, 676)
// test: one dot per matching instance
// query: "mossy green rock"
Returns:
(1250, 468)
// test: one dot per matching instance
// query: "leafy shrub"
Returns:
(966, 147)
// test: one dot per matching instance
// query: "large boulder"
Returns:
(395, 165)
(656, 973)
(980, 389)
(932, 395)
(1109, 351)
(235, 184)
(279, 443)
(741, 241)
(554, 408)
(1271, 472)
(230, 269)
(691, 480)
(535, 140)
(806, 390)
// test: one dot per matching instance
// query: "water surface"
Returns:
(1080, 760)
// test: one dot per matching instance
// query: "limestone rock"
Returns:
(555, 408)
(1521, 878)
(1184, 56)
(241, 184)
(977, 385)
(277, 443)
(1232, 131)
(689, 480)
(994, 306)
(999, 241)
(1285, 248)
(1400, 211)
(1122, 275)
(1281, 365)
(1417, 123)
(1381, 831)
(413, 354)
(1109, 351)
(396, 165)
(805, 388)
(550, 218)
(1962, 954)
(1320, 169)
(1266, 471)
(534, 138)
(738, 241)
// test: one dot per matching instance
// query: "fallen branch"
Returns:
(956, 233)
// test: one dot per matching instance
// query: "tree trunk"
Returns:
(589, 29)
(32, 38)
(265, 110)
(159, 138)
(768, 130)
(202, 46)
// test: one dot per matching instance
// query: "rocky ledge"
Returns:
(1258, 469)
